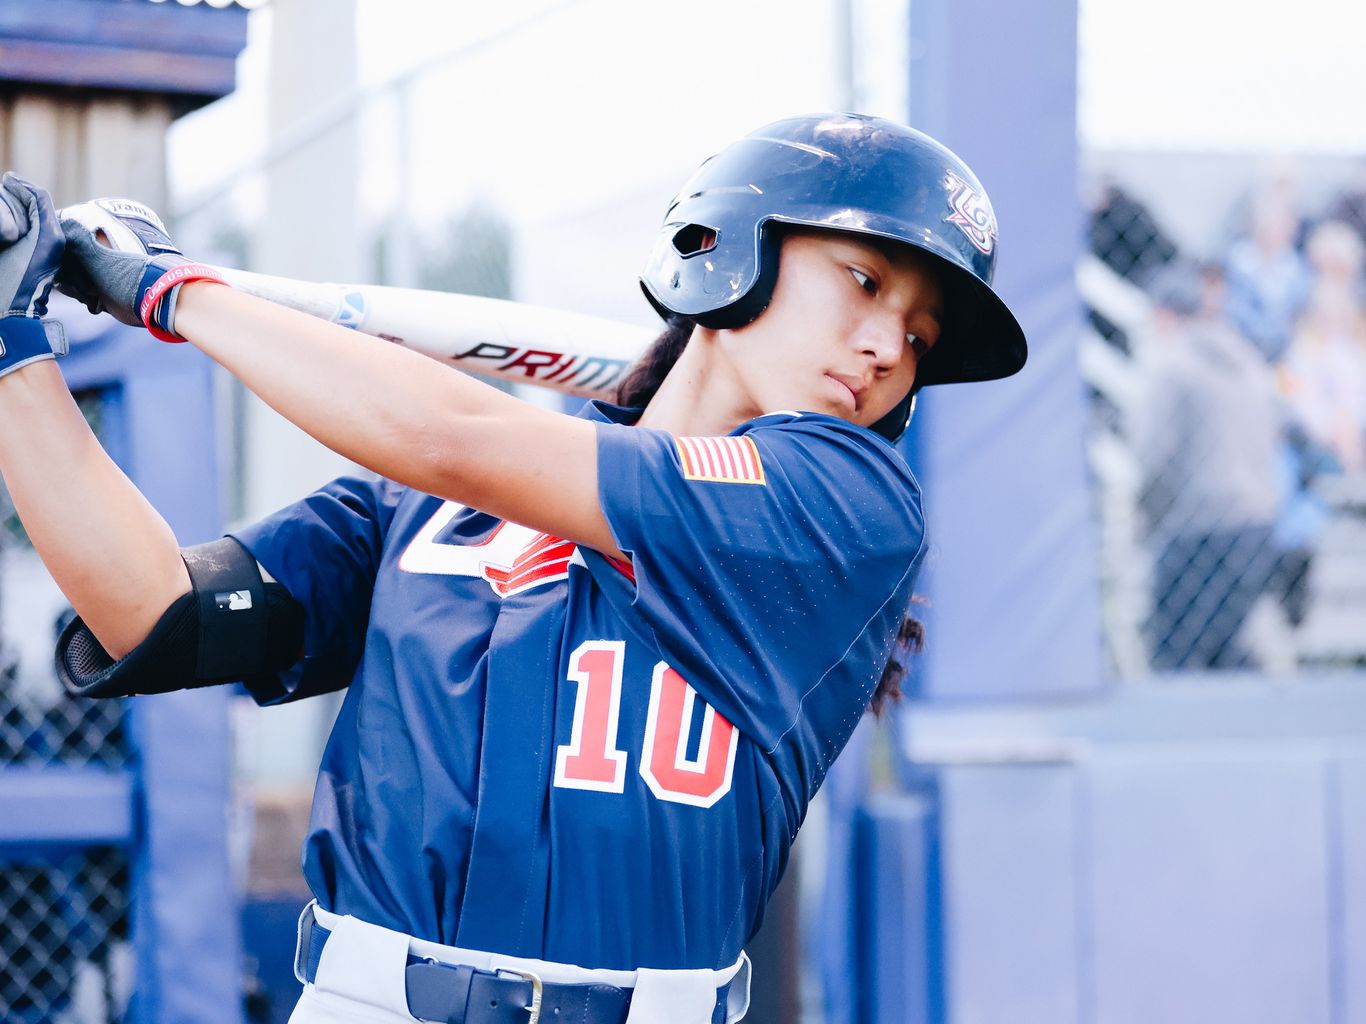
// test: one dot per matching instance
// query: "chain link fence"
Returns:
(64, 952)
(65, 956)
(1228, 428)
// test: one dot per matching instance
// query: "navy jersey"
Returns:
(548, 753)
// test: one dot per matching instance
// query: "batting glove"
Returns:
(32, 251)
(120, 261)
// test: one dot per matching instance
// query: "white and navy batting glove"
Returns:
(120, 261)
(31, 248)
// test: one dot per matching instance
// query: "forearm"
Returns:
(110, 552)
(384, 407)
(404, 416)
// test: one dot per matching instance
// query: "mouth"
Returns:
(852, 387)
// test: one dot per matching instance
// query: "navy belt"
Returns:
(459, 994)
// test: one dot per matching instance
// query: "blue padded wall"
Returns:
(1011, 576)
(1010, 862)
(1347, 894)
(900, 952)
(1209, 886)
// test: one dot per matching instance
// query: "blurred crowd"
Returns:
(1251, 395)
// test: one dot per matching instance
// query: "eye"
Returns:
(864, 281)
(918, 345)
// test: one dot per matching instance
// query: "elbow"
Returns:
(119, 639)
(121, 623)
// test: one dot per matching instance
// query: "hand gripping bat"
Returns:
(567, 352)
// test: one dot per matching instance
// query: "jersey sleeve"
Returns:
(325, 550)
(771, 567)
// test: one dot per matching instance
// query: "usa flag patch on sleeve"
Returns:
(725, 460)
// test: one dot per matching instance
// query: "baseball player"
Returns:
(598, 665)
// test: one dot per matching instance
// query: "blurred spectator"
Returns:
(1324, 370)
(1208, 438)
(1268, 283)
(1301, 522)
(1126, 237)
(1349, 206)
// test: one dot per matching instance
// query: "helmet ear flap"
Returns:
(755, 300)
(894, 424)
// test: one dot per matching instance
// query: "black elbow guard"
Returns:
(233, 624)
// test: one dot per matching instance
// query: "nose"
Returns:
(883, 340)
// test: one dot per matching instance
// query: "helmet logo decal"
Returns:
(971, 213)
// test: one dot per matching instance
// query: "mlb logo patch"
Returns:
(725, 460)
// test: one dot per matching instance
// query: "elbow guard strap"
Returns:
(231, 625)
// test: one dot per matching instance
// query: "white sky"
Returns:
(1278, 75)
(602, 96)
(541, 119)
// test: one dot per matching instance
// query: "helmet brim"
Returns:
(981, 340)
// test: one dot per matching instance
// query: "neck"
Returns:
(700, 397)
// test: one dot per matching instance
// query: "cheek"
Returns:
(898, 385)
(775, 344)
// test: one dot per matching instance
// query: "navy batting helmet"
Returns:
(716, 257)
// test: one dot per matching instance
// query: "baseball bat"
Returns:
(567, 352)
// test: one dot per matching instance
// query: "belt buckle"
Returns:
(536, 990)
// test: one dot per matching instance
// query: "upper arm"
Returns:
(120, 568)
(764, 561)
(325, 551)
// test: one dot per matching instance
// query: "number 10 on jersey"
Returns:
(592, 758)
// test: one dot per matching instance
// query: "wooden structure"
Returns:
(88, 88)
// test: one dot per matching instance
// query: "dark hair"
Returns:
(910, 639)
(636, 390)
(644, 378)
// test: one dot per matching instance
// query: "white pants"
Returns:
(360, 979)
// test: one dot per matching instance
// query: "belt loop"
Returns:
(365, 962)
(301, 941)
(737, 994)
(673, 997)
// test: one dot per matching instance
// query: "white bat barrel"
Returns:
(568, 352)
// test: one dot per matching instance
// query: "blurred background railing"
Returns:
(1227, 376)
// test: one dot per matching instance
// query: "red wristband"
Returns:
(182, 274)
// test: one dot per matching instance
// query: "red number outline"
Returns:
(666, 769)
(571, 772)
